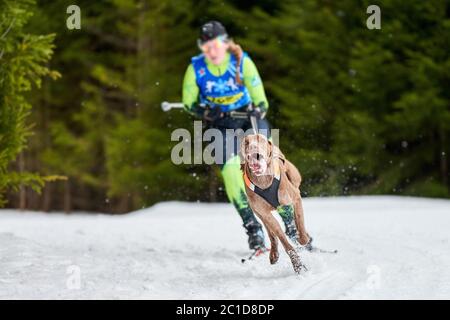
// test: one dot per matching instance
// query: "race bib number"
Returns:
(225, 100)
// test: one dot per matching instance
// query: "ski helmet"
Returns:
(211, 30)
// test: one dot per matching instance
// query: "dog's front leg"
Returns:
(274, 254)
(272, 224)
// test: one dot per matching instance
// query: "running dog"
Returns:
(270, 181)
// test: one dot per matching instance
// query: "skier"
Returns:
(224, 78)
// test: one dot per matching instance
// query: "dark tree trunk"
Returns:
(444, 158)
(23, 191)
(67, 197)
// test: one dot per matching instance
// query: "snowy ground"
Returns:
(389, 248)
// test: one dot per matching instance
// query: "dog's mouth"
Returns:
(257, 163)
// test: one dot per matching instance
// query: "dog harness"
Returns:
(270, 194)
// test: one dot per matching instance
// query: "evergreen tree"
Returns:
(23, 59)
(360, 111)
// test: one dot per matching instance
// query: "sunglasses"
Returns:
(215, 43)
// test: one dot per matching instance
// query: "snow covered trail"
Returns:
(389, 248)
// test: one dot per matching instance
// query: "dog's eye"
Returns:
(258, 156)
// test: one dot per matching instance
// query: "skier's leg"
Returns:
(235, 190)
(286, 213)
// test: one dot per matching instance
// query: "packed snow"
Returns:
(389, 248)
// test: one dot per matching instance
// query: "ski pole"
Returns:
(253, 119)
(254, 124)
(166, 106)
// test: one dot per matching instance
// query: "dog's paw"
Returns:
(273, 256)
(298, 266)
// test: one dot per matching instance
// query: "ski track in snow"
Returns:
(389, 248)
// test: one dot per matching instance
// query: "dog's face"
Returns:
(257, 153)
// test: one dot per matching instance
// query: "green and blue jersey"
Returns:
(206, 82)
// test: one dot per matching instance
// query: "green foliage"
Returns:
(360, 111)
(23, 59)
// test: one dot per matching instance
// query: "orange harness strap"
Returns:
(270, 194)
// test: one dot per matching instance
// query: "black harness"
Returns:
(270, 194)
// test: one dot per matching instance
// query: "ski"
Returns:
(320, 250)
(312, 248)
(309, 247)
(254, 254)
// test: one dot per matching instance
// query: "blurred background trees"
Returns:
(23, 58)
(360, 111)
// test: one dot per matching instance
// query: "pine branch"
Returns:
(122, 43)
(7, 31)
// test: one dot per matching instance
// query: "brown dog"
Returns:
(272, 180)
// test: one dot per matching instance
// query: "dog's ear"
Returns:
(270, 149)
(244, 144)
(275, 152)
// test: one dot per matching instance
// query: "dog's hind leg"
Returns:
(293, 174)
(303, 236)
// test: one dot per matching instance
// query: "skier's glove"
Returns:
(197, 110)
(206, 112)
(259, 112)
(212, 113)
